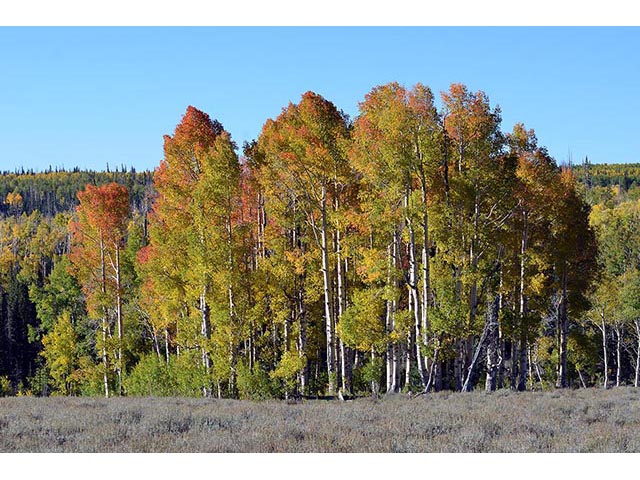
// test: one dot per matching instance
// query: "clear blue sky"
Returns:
(91, 96)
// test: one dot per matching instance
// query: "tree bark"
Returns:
(331, 361)
(205, 330)
(415, 304)
(119, 364)
(105, 363)
(603, 329)
(637, 377)
(493, 355)
(618, 355)
(562, 381)
(523, 347)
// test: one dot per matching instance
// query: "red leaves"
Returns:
(106, 208)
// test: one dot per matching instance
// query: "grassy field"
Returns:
(558, 421)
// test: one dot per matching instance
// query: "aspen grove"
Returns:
(414, 248)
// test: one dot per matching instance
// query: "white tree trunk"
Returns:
(331, 362)
(618, 355)
(105, 363)
(119, 365)
(637, 377)
(603, 329)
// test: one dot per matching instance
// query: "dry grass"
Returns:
(567, 421)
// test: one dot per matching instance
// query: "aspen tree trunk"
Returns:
(501, 343)
(119, 318)
(562, 381)
(492, 344)
(473, 295)
(156, 343)
(584, 385)
(232, 353)
(637, 377)
(205, 330)
(331, 361)
(391, 363)
(426, 280)
(603, 329)
(523, 347)
(302, 339)
(466, 386)
(530, 363)
(618, 355)
(166, 344)
(407, 362)
(415, 304)
(105, 364)
(345, 363)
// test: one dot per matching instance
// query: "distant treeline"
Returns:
(53, 192)
(626, 175)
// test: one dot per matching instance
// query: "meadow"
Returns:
(585, 420)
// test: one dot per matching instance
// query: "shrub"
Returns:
(5, 386)
(253, 385)
(151, 377)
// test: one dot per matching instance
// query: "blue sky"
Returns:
(91, 96)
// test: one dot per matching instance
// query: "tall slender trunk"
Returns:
(637, 377)
(345, 357)
(618, 355)
(105, 363)
(473, 294)
(156, 343)
(119, 364)
(492, 344)
(415, 301)
(426, 280)
(331, 361)
(205, 330)
(524, 324)
(562, 381)
(166, 344)
(302, 337)
(603, 329)
(392, 348)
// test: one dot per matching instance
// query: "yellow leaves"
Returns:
(14, 199)
(60, 352)
(537, 283)
(297, 260)
(289, 366)
(372, 267)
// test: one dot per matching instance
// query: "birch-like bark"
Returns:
(603, 330)
(523, 347)
(493, 356)
(415, 302)
(618, 355)
(205, 330)
(326, 280)
(345, 363)
(105, 363)
(392, 349)
(166, 345)
(119, 365)
(637, 377)
(562, 381)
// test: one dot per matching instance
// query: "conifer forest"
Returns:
(415, 248)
